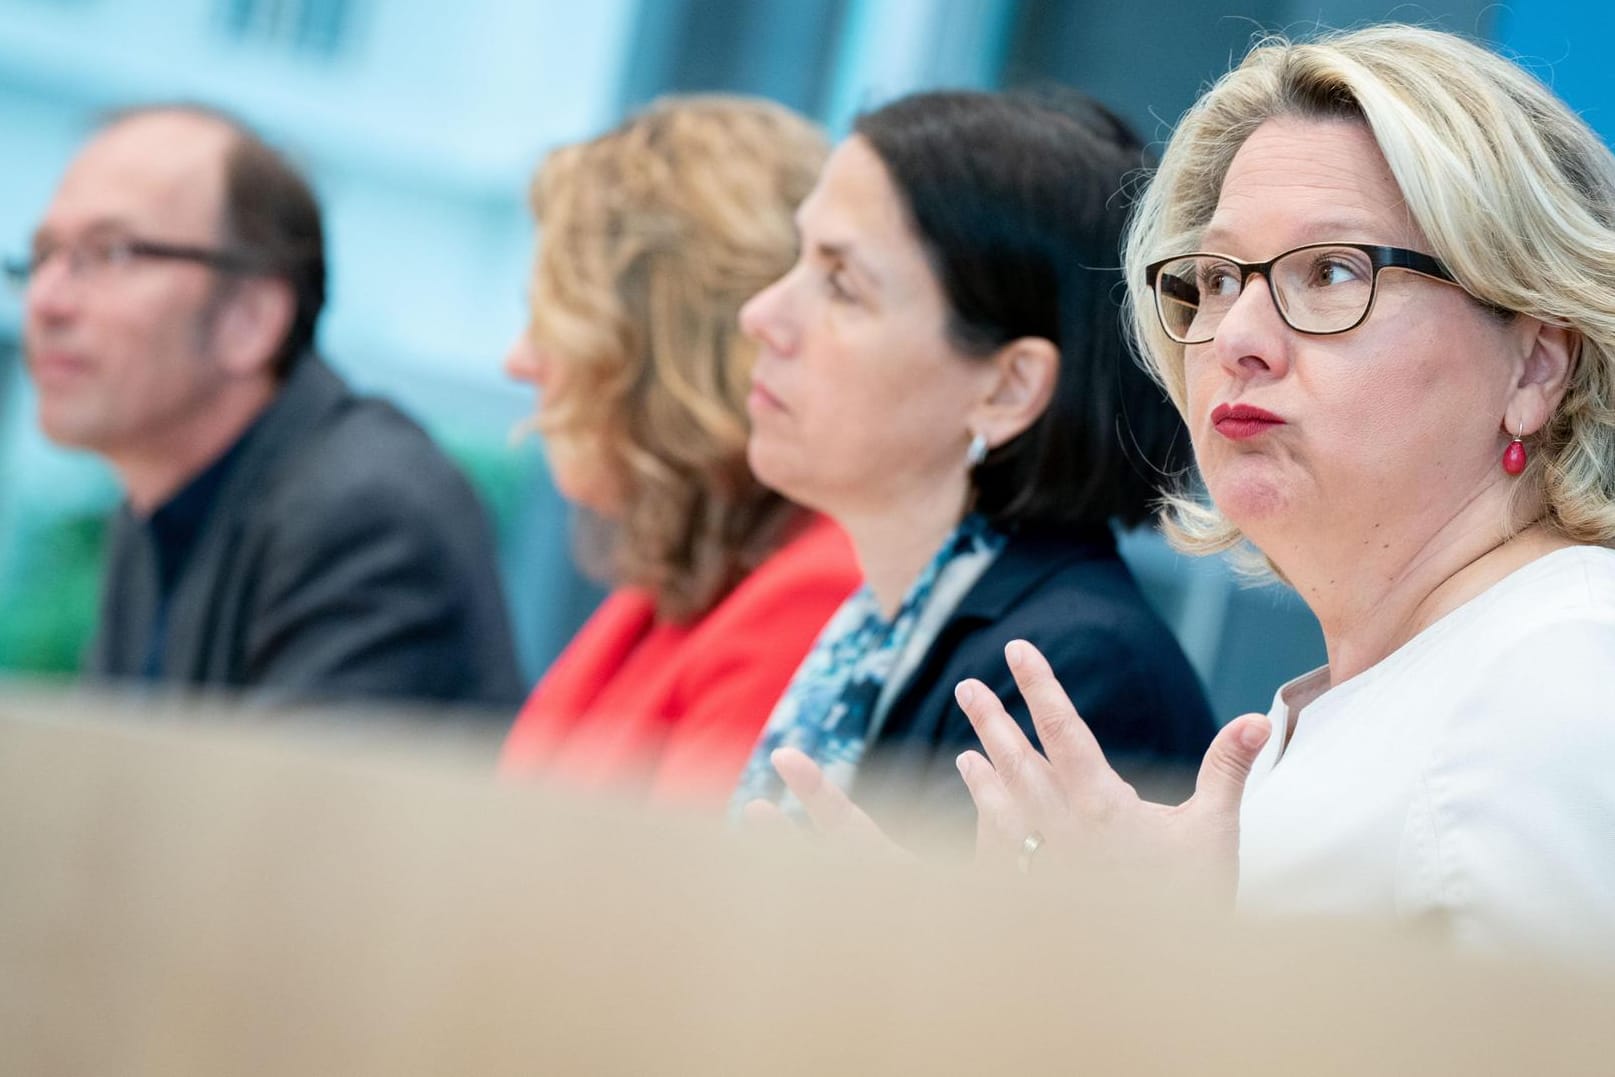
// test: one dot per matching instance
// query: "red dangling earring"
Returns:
(1514, 456)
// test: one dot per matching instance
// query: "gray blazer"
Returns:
(345, 558)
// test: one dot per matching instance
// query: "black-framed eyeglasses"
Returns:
(94, 256)
(1321, 288)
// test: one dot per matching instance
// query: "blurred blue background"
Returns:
(420, 123)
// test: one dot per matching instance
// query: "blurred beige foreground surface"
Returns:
(184, 897)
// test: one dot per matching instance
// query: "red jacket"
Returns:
(677, 708)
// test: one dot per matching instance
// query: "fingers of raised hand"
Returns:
(763, 817)
(1221, 783)
(1001, 825)
(1067, 741)
(1024, 774)
(832, 812)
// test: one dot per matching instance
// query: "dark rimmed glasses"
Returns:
(1321, 288)
(97, 255)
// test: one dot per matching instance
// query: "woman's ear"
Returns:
(1025, 372)
(251, 325)
(1548, 359)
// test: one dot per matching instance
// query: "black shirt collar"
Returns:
(177, 523)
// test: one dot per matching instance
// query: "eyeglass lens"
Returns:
(1317, 289)
(88, 256)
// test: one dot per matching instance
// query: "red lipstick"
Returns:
(1241, 421)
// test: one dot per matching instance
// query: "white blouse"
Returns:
(1468, 779)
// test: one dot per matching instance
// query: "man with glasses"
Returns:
(280, 535)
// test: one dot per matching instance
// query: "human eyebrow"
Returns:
(101, 227)
(1351, 229)
(1338, 229)
(843, 254)
(109, 226)
(43, 236)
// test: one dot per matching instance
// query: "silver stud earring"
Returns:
(977, 451)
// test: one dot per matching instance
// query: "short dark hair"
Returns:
(270, 214)
(1019, 203)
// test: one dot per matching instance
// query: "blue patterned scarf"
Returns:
(828, 707)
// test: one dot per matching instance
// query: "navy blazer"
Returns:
(344, 557)
(1074, 599)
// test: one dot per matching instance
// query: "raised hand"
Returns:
(832, 812)
(1072, 807)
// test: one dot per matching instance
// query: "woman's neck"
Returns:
(1369, 602)
(895, 542)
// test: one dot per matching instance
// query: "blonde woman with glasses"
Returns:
(1374, 272)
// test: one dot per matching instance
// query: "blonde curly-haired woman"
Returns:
(651, 238)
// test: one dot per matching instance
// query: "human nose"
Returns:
(522, 361)
(765, 317)
(52, 289)
(1252, 340)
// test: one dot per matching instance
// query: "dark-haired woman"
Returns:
(943, 372)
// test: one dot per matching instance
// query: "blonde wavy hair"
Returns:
(1514, 192)
(652, 236)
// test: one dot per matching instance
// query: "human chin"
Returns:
(1249, 489)
(771, 461)
(67, 419)
(790, 468)
(577, 480)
